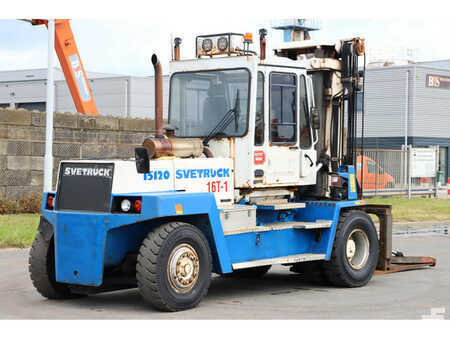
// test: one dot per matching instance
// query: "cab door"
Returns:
(308, 155)
(283, 149)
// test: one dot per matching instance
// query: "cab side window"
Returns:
(371, 167)
(283, 108)
(305, 128)
(259, 118)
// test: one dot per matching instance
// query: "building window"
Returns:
(32, 106)
(4, 105)
(283, 108)
(259, 118)
(371, 167)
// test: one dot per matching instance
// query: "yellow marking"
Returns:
(352, 183)
(179, 209)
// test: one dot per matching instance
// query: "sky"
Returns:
(125, 46)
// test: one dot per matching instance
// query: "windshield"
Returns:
(199, 101)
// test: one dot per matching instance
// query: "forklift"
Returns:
(256, 167)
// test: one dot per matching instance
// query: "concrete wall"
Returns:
(22, 144)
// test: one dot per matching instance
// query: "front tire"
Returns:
(174, 267)
(355, 251)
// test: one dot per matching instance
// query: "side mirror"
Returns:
(315, 118)
(142, 160)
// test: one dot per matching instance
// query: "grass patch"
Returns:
(18, 231)
(416, 209)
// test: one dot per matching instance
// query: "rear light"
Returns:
(336, 181)
(137, 206)
(50, 201)
(125, 205)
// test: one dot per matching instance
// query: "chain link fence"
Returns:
(384, 172)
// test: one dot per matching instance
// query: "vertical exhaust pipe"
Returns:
(262, 43)
(158, 97)
(176, 49)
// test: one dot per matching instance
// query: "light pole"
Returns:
(48, 158)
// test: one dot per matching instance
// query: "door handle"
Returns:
(309, 158)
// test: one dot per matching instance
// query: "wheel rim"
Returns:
(183, 268)
(357, 249)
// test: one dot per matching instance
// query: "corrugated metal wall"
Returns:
(385, 101)
(109, 96)
(117, 96)
(22, 92)
(431, 111)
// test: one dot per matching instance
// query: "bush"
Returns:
(30, 204)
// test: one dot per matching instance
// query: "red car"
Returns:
(384, 180)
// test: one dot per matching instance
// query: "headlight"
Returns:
(222, 43)
(207, 45)
(125, 205)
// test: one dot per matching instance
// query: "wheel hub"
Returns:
(357, 249)
(183, 268)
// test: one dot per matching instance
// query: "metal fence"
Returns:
(386, 172)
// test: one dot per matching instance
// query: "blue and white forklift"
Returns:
(255, 168)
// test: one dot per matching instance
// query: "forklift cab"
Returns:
(268, 106)
(283, 129)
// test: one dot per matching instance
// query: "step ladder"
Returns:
(278, 204)
(279, 260)
(319, 224)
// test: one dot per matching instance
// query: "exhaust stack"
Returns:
(262, 43)
(158, 97)
(176, 49)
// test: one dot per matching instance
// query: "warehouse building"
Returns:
(116, 95)
(409, 104)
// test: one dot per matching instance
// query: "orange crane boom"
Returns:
(71, 64)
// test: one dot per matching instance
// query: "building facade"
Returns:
(409, 105)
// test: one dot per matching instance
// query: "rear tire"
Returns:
(42, 267)
(355, 251)
(174, 265)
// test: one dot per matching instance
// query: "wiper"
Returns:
(225, 121)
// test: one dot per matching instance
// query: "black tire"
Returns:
(154, 258)
(312, 271)
(255, 272)
(41, 265)
(338, 270)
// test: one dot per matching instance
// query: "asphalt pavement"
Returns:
(279, 295)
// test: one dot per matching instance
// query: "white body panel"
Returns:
(206, 175)
(191, 175)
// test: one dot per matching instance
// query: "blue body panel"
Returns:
(86, 242)
(278, 243)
